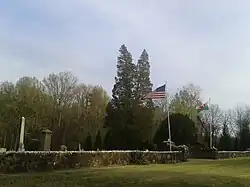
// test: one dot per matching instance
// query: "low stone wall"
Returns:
(219, 154)
(232, 154)
(30, 161)
(204, 155)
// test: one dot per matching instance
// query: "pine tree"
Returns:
(98, 140)
(144, 112)
(88, 143)
(226, 142)
(124, 89)
(244, 133)
(120, 117)
(143, 83)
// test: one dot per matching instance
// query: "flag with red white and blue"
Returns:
(158, 93)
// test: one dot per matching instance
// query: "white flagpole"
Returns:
(168, 116)
(210, 124)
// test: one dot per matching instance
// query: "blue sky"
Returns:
(202, 42)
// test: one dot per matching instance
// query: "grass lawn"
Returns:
(234, 172)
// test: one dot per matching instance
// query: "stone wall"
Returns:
(30, 161)
(232, 154)
(203, 154)
(219, 154)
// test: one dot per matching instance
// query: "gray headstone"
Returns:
(45, 140)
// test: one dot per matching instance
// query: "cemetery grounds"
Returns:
(194, 173)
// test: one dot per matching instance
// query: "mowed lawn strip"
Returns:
(230, 172)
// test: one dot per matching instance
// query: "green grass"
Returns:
(234, 172)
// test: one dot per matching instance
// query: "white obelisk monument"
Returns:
(21, 140)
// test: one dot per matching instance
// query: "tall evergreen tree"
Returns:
(143, 83)
(88, 142)
(226, 141)
(123, 91)
(144, 112)
(98, 140)
(244, 133)
(120, 116)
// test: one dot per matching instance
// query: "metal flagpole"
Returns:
(169, 132)
(210, 124)
(168, 116)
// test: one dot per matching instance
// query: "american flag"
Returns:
(158, 93)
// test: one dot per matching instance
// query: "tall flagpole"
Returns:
(168, 116)
(210, 124)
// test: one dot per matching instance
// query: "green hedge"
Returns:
(30, 161)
